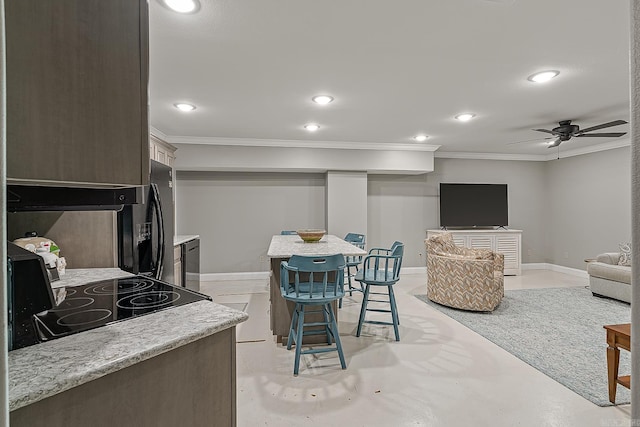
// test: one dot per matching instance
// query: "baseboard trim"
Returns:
(413, 270)
(253, 275)
(557, 268)
(259, 275)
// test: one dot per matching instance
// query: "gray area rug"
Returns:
(559, 332)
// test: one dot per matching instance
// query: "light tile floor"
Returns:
(439, 374)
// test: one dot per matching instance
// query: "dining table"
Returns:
(281, 248)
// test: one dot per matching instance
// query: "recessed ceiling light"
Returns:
(543, 76)
(312, 127)
(420, 138)
(465, 117)
(182, 6)
(322, 99)
(183, 106)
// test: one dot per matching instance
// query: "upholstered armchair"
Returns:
(469, 279)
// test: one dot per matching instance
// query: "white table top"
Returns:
(285, 246)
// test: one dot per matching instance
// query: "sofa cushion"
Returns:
(617, 273)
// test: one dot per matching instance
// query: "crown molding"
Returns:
(489, 156)
(158, 134)
(285, 143)
(350, 145)
(611, 145)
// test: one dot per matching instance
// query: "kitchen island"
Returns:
(281, 249)
(171, 367)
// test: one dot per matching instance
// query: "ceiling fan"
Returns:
(566, 131)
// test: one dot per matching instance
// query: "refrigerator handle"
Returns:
(160, 219)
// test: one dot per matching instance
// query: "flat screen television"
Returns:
(473, 205)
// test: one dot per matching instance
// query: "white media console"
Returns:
(506, 242)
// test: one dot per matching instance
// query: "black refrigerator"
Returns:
(145, 231)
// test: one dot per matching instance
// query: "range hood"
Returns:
(22, 198)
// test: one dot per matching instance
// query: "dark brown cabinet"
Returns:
(77, 91)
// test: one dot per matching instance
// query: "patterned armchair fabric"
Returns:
(469, 279)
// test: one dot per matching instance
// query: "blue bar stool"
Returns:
(353, 261)
(317, 281)
(381, 268)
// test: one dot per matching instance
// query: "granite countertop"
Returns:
(285, 246)
(178, 240)
(82, 276)
(42, 370)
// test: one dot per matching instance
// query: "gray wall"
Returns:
(236, 214)
(404, 207)
(588, 209)
(569, 209)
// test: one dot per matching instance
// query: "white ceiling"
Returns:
(395, 68)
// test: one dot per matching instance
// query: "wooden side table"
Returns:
(618, 336)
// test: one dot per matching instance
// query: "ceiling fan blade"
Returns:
(604, 135)
(602, 126)
(546, 131)
(530, 140)
(555, 143)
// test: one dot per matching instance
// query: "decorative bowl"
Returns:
(311, 235)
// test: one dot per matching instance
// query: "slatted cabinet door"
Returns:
(481, 242)
(509, 246)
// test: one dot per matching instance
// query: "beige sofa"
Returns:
(608, 279)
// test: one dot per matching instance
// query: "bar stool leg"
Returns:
(294, 320)
(363, 309)
(327, 327)
(336, 336)
(299, 334)
(349, 279)
(394, 312)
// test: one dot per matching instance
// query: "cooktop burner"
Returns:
(101, 303)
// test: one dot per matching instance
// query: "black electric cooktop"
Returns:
(101, 303)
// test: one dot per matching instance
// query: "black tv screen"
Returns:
(473, 205)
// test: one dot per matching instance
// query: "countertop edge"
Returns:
(178, 240)
(232, 317)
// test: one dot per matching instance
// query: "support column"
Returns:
(635, 208)
(346, 203)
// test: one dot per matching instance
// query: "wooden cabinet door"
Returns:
(77, 82)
